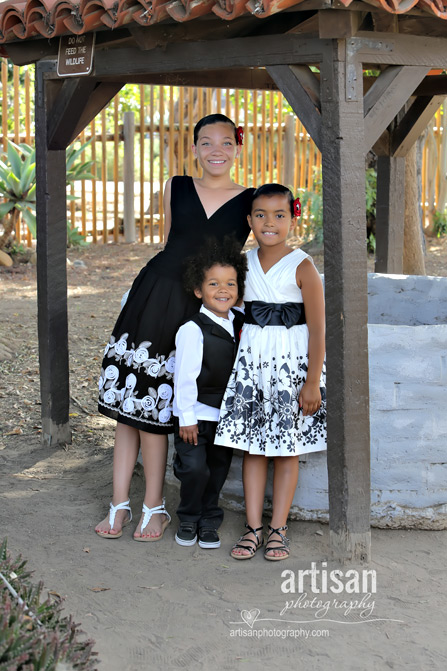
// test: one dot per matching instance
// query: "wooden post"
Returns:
(289, 150)
(343, 164)
(51, 209)
(390, 207)
(129, 177)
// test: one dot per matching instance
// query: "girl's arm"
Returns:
(309, 281)
(167, 209)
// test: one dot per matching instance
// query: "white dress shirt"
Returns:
(188, 364)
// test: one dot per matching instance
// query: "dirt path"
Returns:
(157, 605)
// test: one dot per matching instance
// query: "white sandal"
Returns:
(148, 512)
(113, 510)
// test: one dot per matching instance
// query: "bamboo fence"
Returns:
(276, 148)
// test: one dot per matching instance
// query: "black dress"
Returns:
(136, 381)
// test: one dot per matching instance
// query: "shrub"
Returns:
(34, 636)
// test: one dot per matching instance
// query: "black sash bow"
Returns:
(274, 314)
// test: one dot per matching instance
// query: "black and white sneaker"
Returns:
(186, 533)
(208, 538)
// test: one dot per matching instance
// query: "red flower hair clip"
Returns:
(240, 135)
(297, 207)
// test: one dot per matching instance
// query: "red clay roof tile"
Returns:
(23, 19)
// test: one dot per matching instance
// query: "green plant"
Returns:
(75, 238)
(18, 189)
(33, 634)
(312, 201)
(440, 223)
(371, 193)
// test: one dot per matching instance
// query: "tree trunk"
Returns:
(413, 261)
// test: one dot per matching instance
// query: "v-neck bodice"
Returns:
(227, 202)
(278, 284)
(190, 225)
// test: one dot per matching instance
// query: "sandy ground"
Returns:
(157, 605)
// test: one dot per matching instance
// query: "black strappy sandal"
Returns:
(259, 542)
(282, 544)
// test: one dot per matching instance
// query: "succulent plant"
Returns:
(34, 636)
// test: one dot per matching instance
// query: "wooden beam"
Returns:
(218, 54)
(240, 78)
(343, 163)
(339, 23)
(414, 123)
(51, 211)
(308, 26)
(67, 108)
(398, 87)
(432, 86)
(385, 23)
(422, 25)
(390, 209)
(99, 98)
(300, 88)
(399, 49)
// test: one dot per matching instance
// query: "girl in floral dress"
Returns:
(274, 405)
(136, 381)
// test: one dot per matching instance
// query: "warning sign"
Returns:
(75, 55)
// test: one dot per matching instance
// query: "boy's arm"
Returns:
(188, 364)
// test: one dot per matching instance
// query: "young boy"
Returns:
(206, 347)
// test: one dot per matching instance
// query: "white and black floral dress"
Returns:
(260, 412)
(136, 381)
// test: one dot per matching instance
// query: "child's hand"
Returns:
(189, 434)
(310, 398)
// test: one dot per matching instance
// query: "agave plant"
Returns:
(18, 188)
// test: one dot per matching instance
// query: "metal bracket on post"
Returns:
(353, 46)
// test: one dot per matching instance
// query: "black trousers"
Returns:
(202, 470)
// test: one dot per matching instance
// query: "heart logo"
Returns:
(250, 616)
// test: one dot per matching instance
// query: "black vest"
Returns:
(219, 353)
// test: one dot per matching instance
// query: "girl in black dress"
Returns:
(136, 381)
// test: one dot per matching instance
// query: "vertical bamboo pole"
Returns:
(5, 103)
(271, 138)
(151, 163)
(237, 122)
(303, 161)
(161, 108)
(27, 107)
(172, 132)
(218, 101)
(115, 168)
(181, 132)
(279, 142)
(246, 140)
(27, 133)
(16, 82)
(263, 139)
(142, 171)
(227, 103)
(424, 186)
(254, 166)
(209, 101)
(310, 160)
(104, 175)
(83, 194)
(94, 173)
(190, 130)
